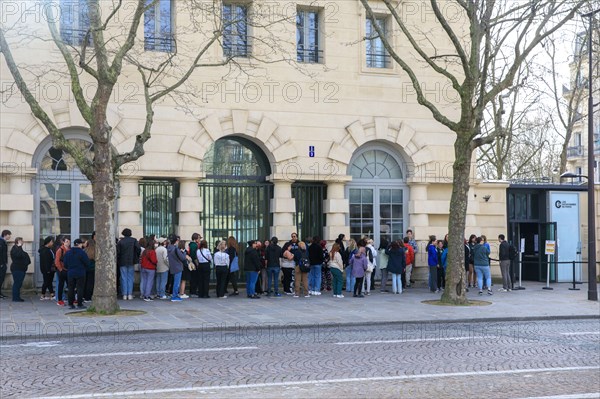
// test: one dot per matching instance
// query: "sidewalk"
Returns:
(36, 320)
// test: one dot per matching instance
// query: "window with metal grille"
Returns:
(309, 218)
(307, 36)
(159, 211)
(377, 56)
(158, 26)
(235, 30)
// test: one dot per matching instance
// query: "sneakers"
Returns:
(124, 297)
(437, 291)
(277, 294)
(289, 293)
(60, 303)
(176, 299)
(509, 290)
(183, 296)
(307, 296)
(44, 298)
(340, 296)
(317, 292)
(501, 290)
(490, 292)
(296, 296)
(162, 297)
(148, 299)
(480, 292)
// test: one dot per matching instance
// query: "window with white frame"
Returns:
(74, 21)
(235, 30)
(377, 56)
(158, 26)
(307, 36)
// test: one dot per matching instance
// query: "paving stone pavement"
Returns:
(42, 320)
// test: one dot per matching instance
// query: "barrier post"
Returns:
(574, 287)
(520, 287)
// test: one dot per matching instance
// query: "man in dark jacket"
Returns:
(251, 269)
(273, 254)
(128, 254)
(77, 264)
(504, 255)
(316, 259)
(3, 257)
(47, 267)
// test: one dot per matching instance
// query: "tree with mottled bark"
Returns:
(467, 40)
(111, 47)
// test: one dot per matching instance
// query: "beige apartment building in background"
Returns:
(331, 142)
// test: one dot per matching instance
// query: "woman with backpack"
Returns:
(233, 265)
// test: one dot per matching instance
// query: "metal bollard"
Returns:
(574, 282)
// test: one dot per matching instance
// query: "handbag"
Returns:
(235, 265)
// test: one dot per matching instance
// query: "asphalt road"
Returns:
(557, 359)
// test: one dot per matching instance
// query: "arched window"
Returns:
(372, 164)
(58, 160)
(235, 159)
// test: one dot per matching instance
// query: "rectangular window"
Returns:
(158, 26)
(74, 21)
(307, 36)
(377, 56)
(235, 30)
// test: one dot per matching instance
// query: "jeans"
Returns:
(483, 271)
(273, 277)
(146, 288)
(505, 270)
(350, 280)
(433, 278)
(161, 283)
(338, 281)
(221, 272)
(90, 280)
(251, 278)
(314, 278)
(127, 273)
(384, 278)
(176, 283)
(441, 280)
(47, 285)
(396, 282)
(79, 283)
(63, 279)
(18, 277)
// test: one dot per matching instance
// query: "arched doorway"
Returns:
(378, 194)
(235, 193)
(62, 194)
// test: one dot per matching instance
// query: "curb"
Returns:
(233, 328)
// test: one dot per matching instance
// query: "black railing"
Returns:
(163, 44)
(311, 56)
(378, 60)
(575, 151)
(232, 50)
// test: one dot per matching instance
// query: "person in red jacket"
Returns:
(148, 263)
(61, 270)
(410, 260)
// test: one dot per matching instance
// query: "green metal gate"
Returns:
(159, 212)
(310, 219)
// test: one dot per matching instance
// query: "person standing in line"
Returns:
(472, 278)
(410, 260)
(504, 257)
(263, 276)
(194, 274)
(3, 258)
(487, 245)
(359, 264)
(301, 276)
(234, 268)
(273, 254)
(413, 243)
(382, 262)
(162, 267)
(315, 258)
(482, 266)
(204, 261)
(63, 276)
(325, 271)
(288, 265)
(251, 269)
(47, 268)
(148, 263)
(372, 259)
(351, 250)
(90, 273)
(336, 265)
(77, 263)
(128, 254)
(20, 261)
(442, 254)
(221, 268)
(395, 265)
(432, 262)
(177, 261)
(467, 261)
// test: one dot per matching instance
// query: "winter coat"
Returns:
(3, 252)
(315, 254)
(273, 254)
(396, 260)
(504, 252)
(128, 251)
(162, 259)
(432, 258)
(359, 265)
(20, 259)
(410, 255)
(46, 260)
(481, 255)
(149, 260)
(177, 260)
(76, 262)
(251, 260)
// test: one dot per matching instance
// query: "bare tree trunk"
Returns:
(103, 187)
(454, 291)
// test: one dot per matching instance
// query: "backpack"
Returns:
(304, 264)
(512, 252)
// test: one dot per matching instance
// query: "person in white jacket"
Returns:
(372, 260)
(221, 268)
(162, 267)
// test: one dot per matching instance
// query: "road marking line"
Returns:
(45, 344)
(582, 333)
(399, 341)
(312, 382)
(241, 348)
(573, 396)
